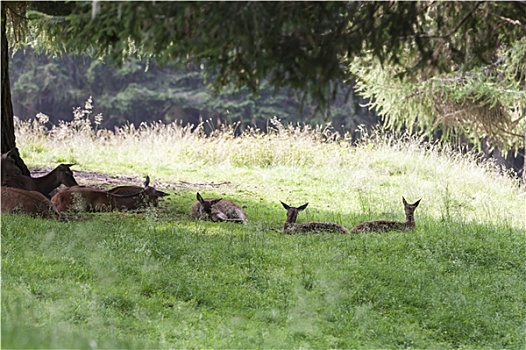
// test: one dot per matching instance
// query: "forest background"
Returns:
(145, 92)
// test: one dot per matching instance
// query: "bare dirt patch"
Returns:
(100, 180)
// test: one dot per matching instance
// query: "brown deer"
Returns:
(218, 209)
(8, 165)
(291, 226)
(81, 199)
(130, 190)
(385, 225)
(16, 200)
(61, 175)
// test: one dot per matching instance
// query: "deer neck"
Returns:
(409, 220)
(46, 183)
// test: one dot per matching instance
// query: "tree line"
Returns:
(142, 91)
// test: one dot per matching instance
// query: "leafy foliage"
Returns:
(479, 96)
(298, 45)
(485, 105)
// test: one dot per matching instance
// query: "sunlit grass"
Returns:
(162, 280)
(300, 164)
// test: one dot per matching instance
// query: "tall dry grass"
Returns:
(367, 177)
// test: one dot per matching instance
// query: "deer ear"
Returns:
(415, 204)
(12, 153)
(300, 208)
(146, 182)
(215, 201)
(199, 198)
(161, 193)
(286, 206)
(404, 201)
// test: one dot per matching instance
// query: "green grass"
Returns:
(163, 280)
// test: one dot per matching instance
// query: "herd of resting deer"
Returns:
(38, 196)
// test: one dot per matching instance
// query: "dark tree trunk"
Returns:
(8, 131)
(524, 160)
(8, 128)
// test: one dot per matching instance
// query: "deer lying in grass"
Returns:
(61, 175)
(218, 209)
(16, 200)
(130, 190)
(8, 165)
(82, 199)
(291, 226)
(385, 225)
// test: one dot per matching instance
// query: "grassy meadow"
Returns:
(159, 279)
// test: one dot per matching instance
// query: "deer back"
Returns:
(125, 190)
(131, 201)
(150, 197)
(95, 200)
(230, 210)
(16, 200)
(314, 227)
(381, 226)
(82, 199)
(386, 225)
(291, 227)
(22, 182)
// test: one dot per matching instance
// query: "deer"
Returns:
(130, 190)
(19, 201)
(61, 175)
(8, 164)
(217, 209)
(291, 227)
(82, 199)
(386, 225)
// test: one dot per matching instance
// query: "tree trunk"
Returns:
(524, 160)
(8, 127)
